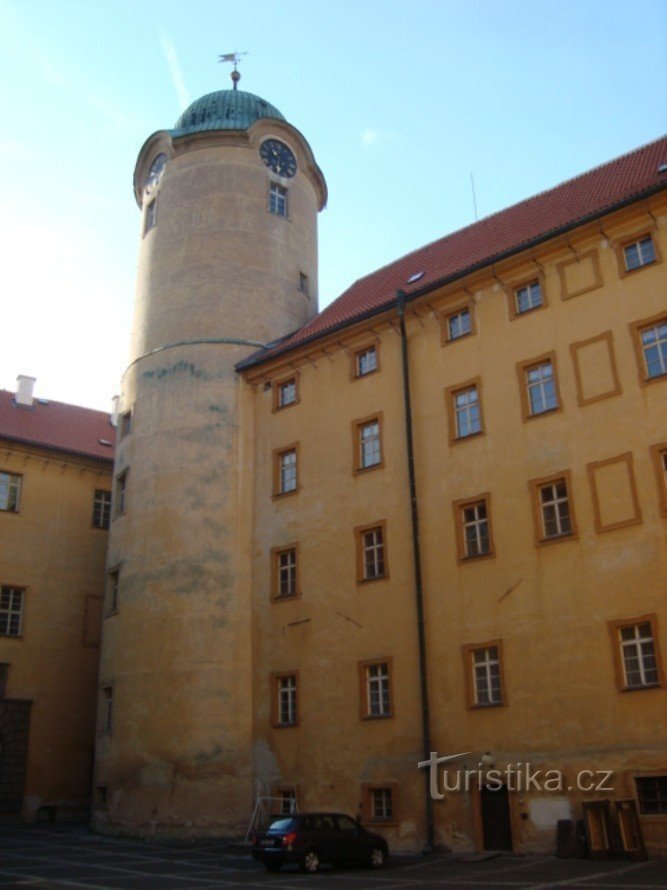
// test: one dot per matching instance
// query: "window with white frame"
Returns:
(120, 493)
(10, 491)
(638, 655)
(287, 801)
(654, 349)
(286, 570)
(286, 692)
(372, 551)
(382, 804)
(476, 537)
(366, 361)
(287, 471)
(125, 424)
(378, 698)
(541, 388)
(11, 611)
(555, 509)
(369, 444)
(467, 415)
(639, 253)
(528, 297)
(277, 199)
(101, 509)
(486, 676)
(459, 324)
(287, 393)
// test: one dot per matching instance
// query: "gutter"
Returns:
(419, 598)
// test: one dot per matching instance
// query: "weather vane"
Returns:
(235, 58)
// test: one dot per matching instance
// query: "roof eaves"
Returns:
(60, 449)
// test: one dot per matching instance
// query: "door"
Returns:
(496, 823)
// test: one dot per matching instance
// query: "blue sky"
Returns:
(400, 101)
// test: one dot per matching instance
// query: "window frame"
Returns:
(451, 393)
(278, 197)
(102, 526)
(522, 372)
(112, 590)
(5, 622)
(459, 506)
(535, 487)
(575, 348)
(359, 532)
(107, 699)
(636, 328)
(626, 458)
(659, 458)
(125, 424)
(277, 386)
(119, 497)
(446, 315)
(468, 651)
(614, 627)
(357, 426)
(150, 216)
(276, 679)
(364, 688)
(278, 454)
(359, 351)
(276, 553)
(624, 243)
(19, 491)
(367, 808)
(648, 817)
(525, 284)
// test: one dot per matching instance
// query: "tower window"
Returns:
(150, 219)
(303, 284)
(278, 199)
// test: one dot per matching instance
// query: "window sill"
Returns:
(285, 597)
(557, 539)
(359, 471)
(481, 556)
(373, 717)
(371, 580)
(488, 707)
(278, 495)
(545, 413)
(657, 685)
(467, 438)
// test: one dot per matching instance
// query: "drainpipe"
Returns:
(419, 597)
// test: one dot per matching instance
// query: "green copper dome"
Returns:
(224, 110)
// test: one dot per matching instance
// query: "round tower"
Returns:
(228, 262)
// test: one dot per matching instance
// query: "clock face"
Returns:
(278, 157)
(155, 173)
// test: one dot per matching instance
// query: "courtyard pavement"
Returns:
(67, 855)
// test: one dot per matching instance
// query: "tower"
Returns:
(228, 262)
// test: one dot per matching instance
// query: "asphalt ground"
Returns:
(66, 855)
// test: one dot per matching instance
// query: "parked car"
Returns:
(311, 838)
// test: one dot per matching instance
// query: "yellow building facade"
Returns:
(427, 519)
(56, 465)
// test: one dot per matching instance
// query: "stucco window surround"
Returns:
(371, 552)
(474, 533)
(376, 699)
(379, 803)
(285, 699)
(553, 508)
(649, 337)
(286, 392)
(457, 322)
(367, 443)
(285, 573)
(101, 517)
(577, 351)
(625, 463)
(484, 679)
(538, 386)
(637, 252)
(659, 456)
(112, 591)
(278, 200)
(12, 611)
(286, 476)
(463, 404)
(11, 485)
(365, 360)
(590, 261)
(635, 646)
(526, 296)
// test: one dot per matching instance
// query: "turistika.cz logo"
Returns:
(514, 777)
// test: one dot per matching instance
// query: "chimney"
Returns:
(115, 410)
(24, 387)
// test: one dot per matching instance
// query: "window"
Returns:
(553, 508)
(284, 572)
(375, 683)
(286, 801)
(654, 349)
(371, 552)
(539, 387)
(120, 493)
(277, 199)
(367, 443)
(635, 651)
(379, 803)
(659, 454)
(10, 489)
(107, 708)
(113, 586)
(125, 424)
(285, 393)
(464, 411)
(303, 284)
(285, 471)
(285, 699)
(101, 508)
(528, 297)
(486, 684)
(652, 795)
(639, 253)
(473, 528)
(365, 361)
(458, 324)
(11, 611)
(150, 218)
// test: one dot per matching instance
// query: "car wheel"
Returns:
(377, 857)
(310, 862)
(273, 866)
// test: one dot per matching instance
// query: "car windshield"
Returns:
(281, 825)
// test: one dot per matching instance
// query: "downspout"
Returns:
(419, 597)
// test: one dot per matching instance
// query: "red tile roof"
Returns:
(573, 202)
(57, 427)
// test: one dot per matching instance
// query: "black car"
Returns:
(311, 838)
